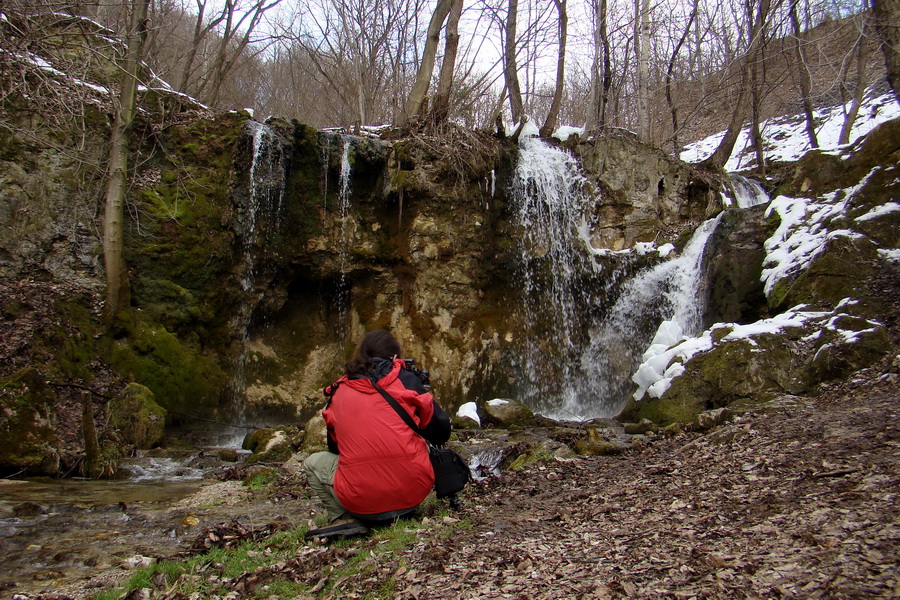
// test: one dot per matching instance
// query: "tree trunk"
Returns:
(601, 78)
(642, 48)
(850, 117)
(804, 76)
(426, 66)
(553, 115)
(117, 286)
(510, 71)
(441, 104)
(887, 17)
(723, 152)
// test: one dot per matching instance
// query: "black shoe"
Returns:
(341, 530)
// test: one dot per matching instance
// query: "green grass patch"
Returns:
(202, 575)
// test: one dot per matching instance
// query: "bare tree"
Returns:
(601, 76)
(441, 104)
(510, 70)
(553, 114)
(117, 285)
(803, 75)
(671, 68)
(642, 54)
(722, 153)
(887, 16)
(426, 66)
(861, 54)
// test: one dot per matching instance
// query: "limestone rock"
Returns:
(315, 440)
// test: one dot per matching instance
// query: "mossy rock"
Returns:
(840, 353)
(181, 377)
(731, 371)
(29, 422)
(315, 440)
(507, 413)
(841, 270)
(271, 445)
(140, 420)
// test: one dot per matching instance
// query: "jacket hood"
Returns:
(383, 371)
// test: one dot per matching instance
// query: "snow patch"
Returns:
(884, 209)
(469, 410)
(664, 360)
(790, 133)
(567, 131)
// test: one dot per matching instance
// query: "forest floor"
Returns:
(798, 499)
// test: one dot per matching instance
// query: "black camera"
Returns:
(423, 375)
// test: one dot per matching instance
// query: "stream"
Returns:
(54, 533)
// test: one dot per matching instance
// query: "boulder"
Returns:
(315, 438)
(271, 444)
(760, 362)
(29, 416)
(141, 422)
(507, 413)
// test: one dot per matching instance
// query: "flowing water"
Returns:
(345, 240)
(258, 221)
(577, 356)
(672, 290)
(550, 199)
(747, 192)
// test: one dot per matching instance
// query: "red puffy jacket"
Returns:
(383, 465)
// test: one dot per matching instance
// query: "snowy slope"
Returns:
(786, 138)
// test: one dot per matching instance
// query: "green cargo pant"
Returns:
(320, 468)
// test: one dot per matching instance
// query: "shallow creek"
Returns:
(54, 533)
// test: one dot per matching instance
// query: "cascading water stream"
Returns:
(550, 200)
(575, 363)
(669, 291)
(258, 217)
(343, 301)
(747, 192)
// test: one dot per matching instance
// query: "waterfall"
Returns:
(576, 356)
(258, 209)
(261, 214)
(549, 195)
(344, 242)
(670, 293)
(746, 192)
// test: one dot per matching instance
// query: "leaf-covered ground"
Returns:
(798, 501)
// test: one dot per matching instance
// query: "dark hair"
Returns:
(375, 344)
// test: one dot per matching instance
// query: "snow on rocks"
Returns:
(469, 410)
(670, 351)
(805, 227)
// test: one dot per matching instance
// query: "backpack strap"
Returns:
(399, 409)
